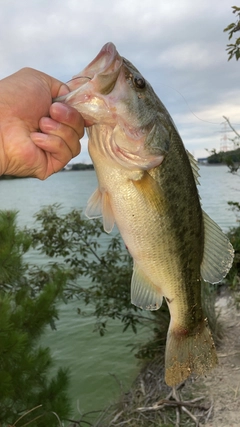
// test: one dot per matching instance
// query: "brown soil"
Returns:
(210, 401)
(222, 385)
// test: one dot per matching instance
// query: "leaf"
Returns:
(229, 27)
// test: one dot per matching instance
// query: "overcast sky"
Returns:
(178, 45)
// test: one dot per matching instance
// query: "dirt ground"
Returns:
(222, 385)
(210, 401)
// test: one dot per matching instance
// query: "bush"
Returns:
(27, 305)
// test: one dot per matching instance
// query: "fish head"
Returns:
(111, 91)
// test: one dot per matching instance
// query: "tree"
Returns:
(27, 304)
(233, 49)
(75, 244)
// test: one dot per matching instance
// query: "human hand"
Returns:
(37, 138)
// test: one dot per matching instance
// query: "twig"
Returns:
(173, 403)
(190, 415)
(56, 415)
(178, 418)
(209, 413)
(117, 380)
(229, 124)
(116, 417)
(229, 354)
(26, 413)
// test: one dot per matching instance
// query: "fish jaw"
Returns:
(87, 89)
(107, 62)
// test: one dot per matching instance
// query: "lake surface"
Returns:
(91, 358)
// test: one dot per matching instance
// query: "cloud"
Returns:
(179, 46)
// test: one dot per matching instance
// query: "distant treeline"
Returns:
(5, 177)
(75, 167)
(225, 157)
(81, 167)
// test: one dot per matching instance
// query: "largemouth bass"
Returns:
(147, 186)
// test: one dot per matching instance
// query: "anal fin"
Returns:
(218, 252)
(144, 293)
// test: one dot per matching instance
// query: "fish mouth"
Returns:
(87, 89)
(107, 61)
(100, 75)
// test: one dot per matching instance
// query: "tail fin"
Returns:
(189, 353)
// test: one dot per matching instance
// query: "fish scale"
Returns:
(147, 186)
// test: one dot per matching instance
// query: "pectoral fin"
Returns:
(94, 205)
(218, 252)
(99, 205)
(144, 293)
(108, 217)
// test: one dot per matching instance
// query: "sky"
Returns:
(177, 45)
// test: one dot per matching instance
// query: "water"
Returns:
(91, 358)
(217, 188)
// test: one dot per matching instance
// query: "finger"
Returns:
(56, 147)
(63, 90)
(66, 133)
(57, 88)
(67, 115)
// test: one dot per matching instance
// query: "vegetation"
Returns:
(28, 297)
(225, 157)
(150, 402)
(230, 158)
(233, 49)
(81, 166)
(27, 305)
(75, 243)
(29, 393)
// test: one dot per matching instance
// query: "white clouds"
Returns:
(174, 43)
(192, 55)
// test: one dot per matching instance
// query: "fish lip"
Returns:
(97, 79)
(100, 76)
(104, 58)
(106, 62)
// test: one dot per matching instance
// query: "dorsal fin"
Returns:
(194, 166)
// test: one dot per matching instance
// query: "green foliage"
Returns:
(75, 243)
(27, 304)
(229, 158)
(81, 167)
(233, 49)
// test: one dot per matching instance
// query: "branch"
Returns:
(229, 124)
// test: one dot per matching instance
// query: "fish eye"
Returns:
(139, 82)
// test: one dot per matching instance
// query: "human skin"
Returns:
(37, 137)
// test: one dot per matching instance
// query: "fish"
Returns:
(147, 186)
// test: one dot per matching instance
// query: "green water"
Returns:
(95, 362)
